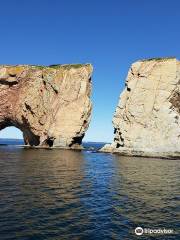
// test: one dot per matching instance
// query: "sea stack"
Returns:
(50, 105)
(147, 118)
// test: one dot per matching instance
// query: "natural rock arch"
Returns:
(50, 105)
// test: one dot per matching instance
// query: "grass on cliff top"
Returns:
(57, 66)
(67, 66)
(158, 59)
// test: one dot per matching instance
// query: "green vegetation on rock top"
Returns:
(158, 59)
(67, 66)
(55, 66)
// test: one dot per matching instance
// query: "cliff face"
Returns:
(147, 118)
(50, 105)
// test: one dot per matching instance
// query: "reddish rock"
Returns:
(50, 105)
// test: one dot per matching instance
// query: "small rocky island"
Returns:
(147, 118)
(50, 105)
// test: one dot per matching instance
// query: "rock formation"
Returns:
(50, 105)
(147, 118)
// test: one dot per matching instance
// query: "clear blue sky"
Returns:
(110, 34)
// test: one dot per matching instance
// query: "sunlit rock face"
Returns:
(147, 118)
(50, 105)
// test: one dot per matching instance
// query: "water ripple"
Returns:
(78, 195)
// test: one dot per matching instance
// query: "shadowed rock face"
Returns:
(50, 105)
(147, 118)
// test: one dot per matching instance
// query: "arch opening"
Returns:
(9, 130)
(11, 136)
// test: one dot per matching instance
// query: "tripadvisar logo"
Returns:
(139, 231)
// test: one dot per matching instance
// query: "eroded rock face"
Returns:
(50, 105)
(147, 118)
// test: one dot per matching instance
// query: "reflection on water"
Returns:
(59, 194)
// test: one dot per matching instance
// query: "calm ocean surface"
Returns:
(61, 194)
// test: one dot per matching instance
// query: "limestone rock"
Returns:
(147, 118)
(50, 105)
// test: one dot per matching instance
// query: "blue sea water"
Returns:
(63, 194)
